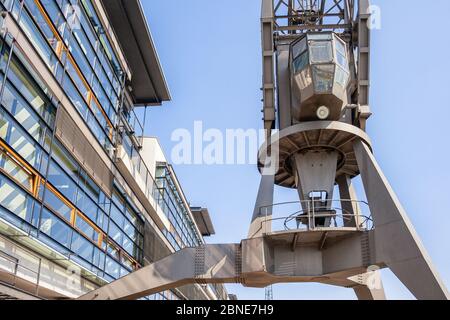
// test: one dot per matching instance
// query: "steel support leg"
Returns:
(262, 214)
(397, 244)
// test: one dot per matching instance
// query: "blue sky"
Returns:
(210, 52)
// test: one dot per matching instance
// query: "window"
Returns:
(99, 258)
(112, 268)
(19, 140)
(117, 216)
(30, 91)
(320, 51)
(65, 160)
(340, 46)
(87, 206)
(90, 186)
(115, 233)
(299, 48)
(58, 205)
(342, 76)
(301, 62)
(16, 105)
(61, 181)
(319, 36)
(323, 78)
(55, 228)
(87, 228)
(16, 171)
(82, 247)
(14, 199)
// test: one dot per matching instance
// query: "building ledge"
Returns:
(130, 26)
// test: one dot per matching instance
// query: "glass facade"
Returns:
(44, 191)
(182, 233)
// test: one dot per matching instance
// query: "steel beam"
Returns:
(396, 243)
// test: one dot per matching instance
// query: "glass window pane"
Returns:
(57, 205)
(304, 79)
(342, 76)
(87, 206)
(301, 62)
(82, 247)
(26, 86)
(85, 228)
(319, 36)
(14, 199)
(65, 160)
(112, 268)
(342, 61)
(117, 216)
(19, 140)
(323, 78)
(61, 181)
(99, 258)
(16, 171)
(55, 228)
(340, 46)
(115, 233)
(299, 48)
(320, 51)
(22, 112)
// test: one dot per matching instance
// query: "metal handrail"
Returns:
(17, 265)
(310, 210)
(309, 201)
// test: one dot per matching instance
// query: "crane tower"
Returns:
(316, 79)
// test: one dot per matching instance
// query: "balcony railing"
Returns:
(310, 215)
(14, 271)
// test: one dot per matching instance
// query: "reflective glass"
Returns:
(16, 171)
(115, 233)
(319, 36)
(55, 228)
(299, 48)
(342, 61)
(14, 199)
(82, 247)
(86, 228)
(304, 79)
(342, 76)
(59, 206)
(340, 47)
(18, 107)
(112, 268)
(320, 51)
(87, 206)
(61, 181)
(30, 91)
(301, 62)
(19, 140)
(323, 78)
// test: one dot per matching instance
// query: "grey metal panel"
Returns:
(73, 139)
(205, 264)
(262, 212)
(396, 242)
(154, 247)
(268, 85)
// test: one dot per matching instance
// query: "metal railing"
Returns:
(12, 267)
(313, 215)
